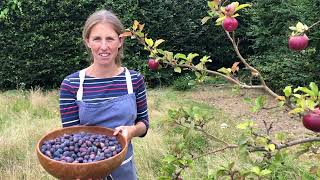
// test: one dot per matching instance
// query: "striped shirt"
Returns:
(96, 90)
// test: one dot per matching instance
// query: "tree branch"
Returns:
(314, 24)
(254, 71)
(231, 146)
(204, 132)
(288, 144)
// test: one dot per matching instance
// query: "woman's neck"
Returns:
(104, 71)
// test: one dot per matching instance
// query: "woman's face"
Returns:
(104, 43)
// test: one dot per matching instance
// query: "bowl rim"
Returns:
(79, 164)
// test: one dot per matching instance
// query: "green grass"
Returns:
(25, 116)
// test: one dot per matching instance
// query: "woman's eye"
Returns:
(96, 39)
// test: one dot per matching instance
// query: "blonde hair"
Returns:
(103, 16)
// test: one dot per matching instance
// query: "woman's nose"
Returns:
(104, 45)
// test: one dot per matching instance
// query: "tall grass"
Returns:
(25, 117)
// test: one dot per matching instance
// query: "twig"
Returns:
(314, 24)
(231, 146)
(204, 132)
(288, 144)
(268, 127)
(253, 70)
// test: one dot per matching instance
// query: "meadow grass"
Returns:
(25, 116)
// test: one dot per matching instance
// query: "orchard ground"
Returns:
(25, 116)
(233, 103)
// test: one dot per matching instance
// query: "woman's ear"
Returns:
(87, 42)
(121, 39)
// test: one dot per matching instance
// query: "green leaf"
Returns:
(197, 74)
(296, 111)
(149, 41)
(177, 69)
(226, 71)
(265, 172)
(310, 104)
(244, 153)
(219, 20)
(255, 170)
(235, 15)
(169, 159)
(140, 34)
(158, 42)
(231, 165)
(305, 90)
(221, 172)
(186, 132)
(280, 136)
(242, 6)
(261, 141)
(205, 59)
(212, 5)
(259, 103)
(199, 66)
(191, 56)
(180, 56)
(245, 125)
(287, 91)
(247, 100)
(314, 88)
(205, 19)
(298, 96)
(292, 28)
(301, 27)
(271, 147)
(182, 62)
(135, 25)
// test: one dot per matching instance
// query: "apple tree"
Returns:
(303, 101)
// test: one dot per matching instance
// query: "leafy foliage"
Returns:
(270, 20)
(42, 44)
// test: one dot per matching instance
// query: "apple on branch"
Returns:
(230, 24)
(153, 64)
(311, 120)
(298, 42)
(230, 9)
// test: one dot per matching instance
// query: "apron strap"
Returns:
(127, 160)
(129, 82)
(82, 75)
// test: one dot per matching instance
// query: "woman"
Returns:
(105, 93)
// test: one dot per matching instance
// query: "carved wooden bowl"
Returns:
(93, 170)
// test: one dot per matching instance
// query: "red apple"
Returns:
(311, 121)
(230, 9)
(153, 64)
(230, 24)
(299, 42)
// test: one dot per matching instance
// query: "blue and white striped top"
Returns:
(99, 89)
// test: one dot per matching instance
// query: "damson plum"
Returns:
(81, 147)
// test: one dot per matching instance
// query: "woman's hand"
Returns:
(131, 131)
(126, 131)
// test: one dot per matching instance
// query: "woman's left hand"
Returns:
(127, 131)
(131, 131)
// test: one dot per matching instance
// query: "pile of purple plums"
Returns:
(81, 147)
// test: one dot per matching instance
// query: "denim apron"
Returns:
(120, 111)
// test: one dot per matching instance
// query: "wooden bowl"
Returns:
(93, 170)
